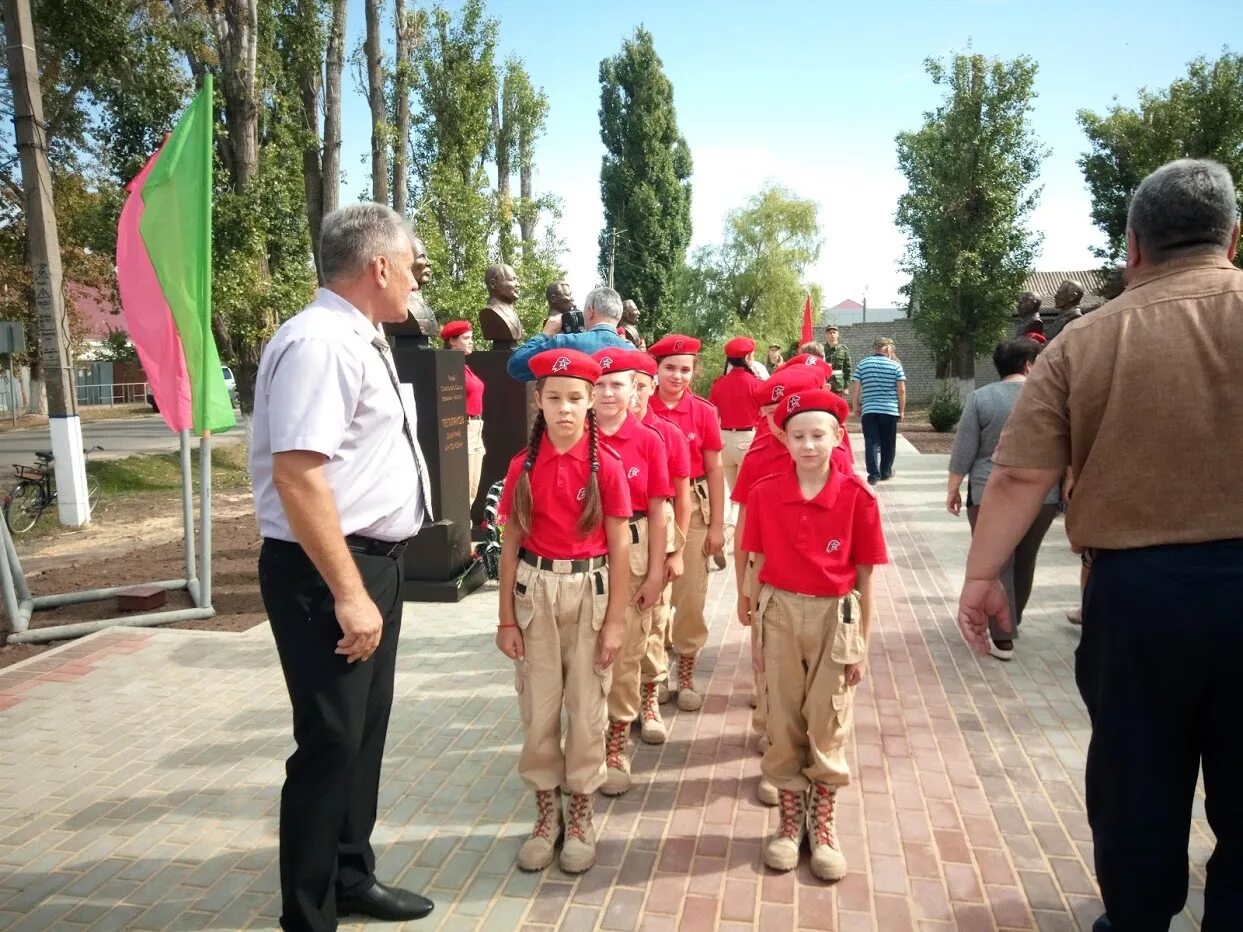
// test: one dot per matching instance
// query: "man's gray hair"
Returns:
(353, 235)
(606, 302)
(1184, 205)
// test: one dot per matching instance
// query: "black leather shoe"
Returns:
(391, 904)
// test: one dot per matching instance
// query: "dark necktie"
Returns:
(383, 349)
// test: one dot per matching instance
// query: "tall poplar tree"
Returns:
(644, 179)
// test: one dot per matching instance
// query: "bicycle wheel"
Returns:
(24, 506)
(93, 494)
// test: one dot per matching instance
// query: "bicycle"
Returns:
(36, 490)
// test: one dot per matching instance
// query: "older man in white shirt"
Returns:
(340, 486)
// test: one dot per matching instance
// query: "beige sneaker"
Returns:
(537, 851)
(781, 852)
(616, 759)
(654, 731)
(688, 699)
(662, 693)
(766, 793)
(827, 860)
(578, 852)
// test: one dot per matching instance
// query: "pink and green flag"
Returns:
(164, 275)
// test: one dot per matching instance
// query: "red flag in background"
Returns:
(807, 335)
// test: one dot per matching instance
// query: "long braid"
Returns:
(593, 508)
(522, 489)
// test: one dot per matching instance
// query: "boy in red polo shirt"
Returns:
(676, 356)
(815, 532)
(646, 461)
(731, 394)
(655, 665)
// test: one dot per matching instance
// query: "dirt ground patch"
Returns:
(924, 439)
(140, 541)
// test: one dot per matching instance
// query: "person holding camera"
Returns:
(590, 330)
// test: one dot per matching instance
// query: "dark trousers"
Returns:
(340, 718)
(1019, 571)
(880, 444)
(1160, 668)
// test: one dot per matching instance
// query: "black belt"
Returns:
(369, 546)
(575, 566)
(638, 514)
(474, 417)
(738, 430)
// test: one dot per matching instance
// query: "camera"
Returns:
(572, 321)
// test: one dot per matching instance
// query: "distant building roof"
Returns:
(847, 305)
(1046, 284)
(98, 314)
(858, 315)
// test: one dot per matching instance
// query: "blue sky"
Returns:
(811, 95)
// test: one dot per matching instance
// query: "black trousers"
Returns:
(880, 444)
(1160, 668)
(1019, 572)
(340, 719)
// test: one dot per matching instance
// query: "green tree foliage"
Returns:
(752, 282)
(971, 173)
(1199, 115)
(644, 179)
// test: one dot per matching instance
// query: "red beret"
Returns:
(1037, 337)
(785, 381)
(616, 359)
(565, 362)
(739, 347)
(675, 344)
(809, 359)
(644, 362)
(455, 328)
(815, 399)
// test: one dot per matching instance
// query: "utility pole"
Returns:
(43, 249)
(613, 235)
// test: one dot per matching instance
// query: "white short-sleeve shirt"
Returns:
(323, 386)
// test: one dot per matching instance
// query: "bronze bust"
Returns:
(420, 323)
(1069, 294)
(560, 300)
(629, 327)
(1028, 310)
(498, 320)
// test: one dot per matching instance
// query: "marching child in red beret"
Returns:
(655, 667)
(697, 419)
(646, 462)
(564, 582)
(731, 394)
(816, 534)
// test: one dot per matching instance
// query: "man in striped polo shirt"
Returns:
(878, 394)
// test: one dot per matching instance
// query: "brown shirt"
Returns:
(1143, 399)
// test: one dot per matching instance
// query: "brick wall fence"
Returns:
(916, 359)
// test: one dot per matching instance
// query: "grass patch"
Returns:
(161, 472)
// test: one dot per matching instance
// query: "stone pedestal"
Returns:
(508, 412)
(438, 565)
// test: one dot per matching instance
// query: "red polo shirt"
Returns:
(474, 394)
(731, 394)
(767, 455)
(642, 452)
(558, 485)
(675, 444)
(813, 546)
(698, 421)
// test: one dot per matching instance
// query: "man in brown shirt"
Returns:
(1158, 456)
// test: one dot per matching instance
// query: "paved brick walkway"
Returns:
(141, 771)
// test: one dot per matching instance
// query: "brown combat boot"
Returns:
(616, 759)
(654, 730)
(781, 852)
(689, 700)
(537, 851)
(827, 860)
(578, 853)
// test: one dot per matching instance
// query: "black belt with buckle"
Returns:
(638, 514)
(369, 546)
(737, 430)
(575, 566)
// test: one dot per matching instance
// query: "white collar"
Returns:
(326, 297)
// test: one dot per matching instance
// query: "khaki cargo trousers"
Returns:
(624, 696)
(807, 641)
(560, 615)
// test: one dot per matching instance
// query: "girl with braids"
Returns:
(564, 581)
(646, 461)
(676, 356)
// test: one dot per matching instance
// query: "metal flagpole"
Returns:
(205, 518)
(187, 515)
